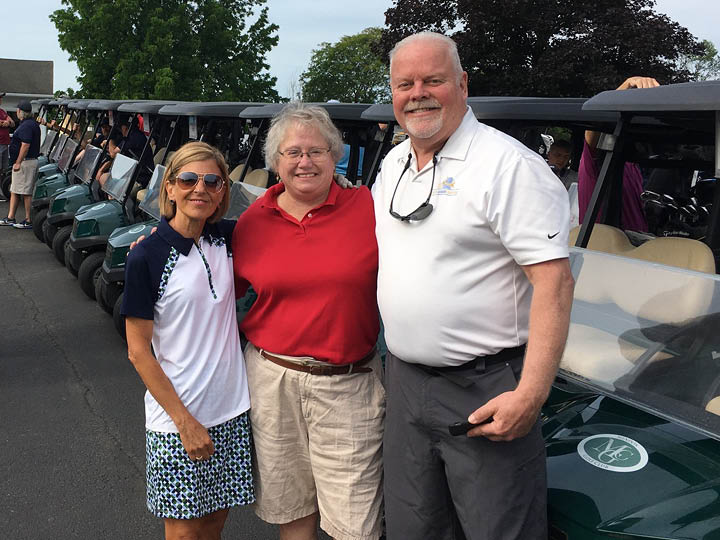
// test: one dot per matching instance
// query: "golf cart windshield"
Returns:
(149, 204)
(88, 163)
(47, 143)
(646, 333)
(242, 195)
(58, 148)
(121, 173)
(65, 161)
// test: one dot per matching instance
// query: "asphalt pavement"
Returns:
(72, 461)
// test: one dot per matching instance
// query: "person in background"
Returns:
(632, 217)
(24, 150)
(183, 340)
(559, 160)
(114, 144)
(6, 122)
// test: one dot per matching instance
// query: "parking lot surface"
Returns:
(72, 459)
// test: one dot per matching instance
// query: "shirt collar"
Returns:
(457, 146)
(177, 240)
(269, 199)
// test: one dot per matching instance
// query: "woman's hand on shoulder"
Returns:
(195, 439)
(141, 238)
(343, 182)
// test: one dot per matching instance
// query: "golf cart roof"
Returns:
(533, 109)
(63, 101)
(144, 106)
(43, 101)
(109, 104)
(220, 109)
(337, 111)
(80, 104)
(694, 97)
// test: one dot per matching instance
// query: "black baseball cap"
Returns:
(25, 106)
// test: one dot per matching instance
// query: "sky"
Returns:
(303, 26)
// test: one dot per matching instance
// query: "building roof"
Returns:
(26, 76)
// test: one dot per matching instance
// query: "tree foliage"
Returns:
(702, 67)
(550, 47)
(169, 49)
(349, 71)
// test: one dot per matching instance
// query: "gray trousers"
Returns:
(442, 487)
(4, 157)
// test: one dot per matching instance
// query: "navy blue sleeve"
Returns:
(24, 133)
(226, 228)
(140, 292)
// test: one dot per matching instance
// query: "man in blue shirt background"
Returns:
(24, 150)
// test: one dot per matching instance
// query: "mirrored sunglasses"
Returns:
(188, 180)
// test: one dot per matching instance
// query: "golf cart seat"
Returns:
(642, 296)
(713, 406)
(140, 197)
(237, 171)
(604, 238)
(159, 155)
(259, 178)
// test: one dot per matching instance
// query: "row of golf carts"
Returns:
(633, 422)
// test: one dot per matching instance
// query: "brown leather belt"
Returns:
(347, 369)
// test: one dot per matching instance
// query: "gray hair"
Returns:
(437, 38)
(297, 113)
(22, 115)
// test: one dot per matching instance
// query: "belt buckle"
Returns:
(316, 370)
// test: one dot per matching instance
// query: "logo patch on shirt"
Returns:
(447, 187)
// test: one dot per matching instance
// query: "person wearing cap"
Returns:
(24, 150)
(6, 122)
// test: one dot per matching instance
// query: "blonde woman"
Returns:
(179, 304)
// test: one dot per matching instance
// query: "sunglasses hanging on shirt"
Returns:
(425, 209)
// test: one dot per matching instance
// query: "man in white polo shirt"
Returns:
(474, 289)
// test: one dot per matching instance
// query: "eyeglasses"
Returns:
(295, 154)
(188, 180)
(422, 211)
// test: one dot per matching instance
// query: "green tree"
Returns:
(702, 67)
(550, 47)
(169, 49)
(349, 71)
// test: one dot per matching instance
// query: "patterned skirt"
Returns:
(180, 488)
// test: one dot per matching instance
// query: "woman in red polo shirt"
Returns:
(308, 249)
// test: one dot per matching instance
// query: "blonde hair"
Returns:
(190, 153)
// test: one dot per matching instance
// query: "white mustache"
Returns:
(424, 104)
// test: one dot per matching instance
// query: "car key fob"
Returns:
(461, 428)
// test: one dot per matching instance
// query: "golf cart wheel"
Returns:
(68, 261)
(6, 179)
(58, 243)
(49, 232)
(106, 297)
(89, 272)
(38, 220)
(118, 319)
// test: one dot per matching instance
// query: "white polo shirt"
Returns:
(450, 287)
(188, 291)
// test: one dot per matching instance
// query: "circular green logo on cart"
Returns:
(137, 229)
(613, 452)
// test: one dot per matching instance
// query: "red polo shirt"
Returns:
(4, 131)
(316, 280)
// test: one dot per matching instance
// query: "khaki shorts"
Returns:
(318, 446)
(23, 181)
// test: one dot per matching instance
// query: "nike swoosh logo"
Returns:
(550, 237)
